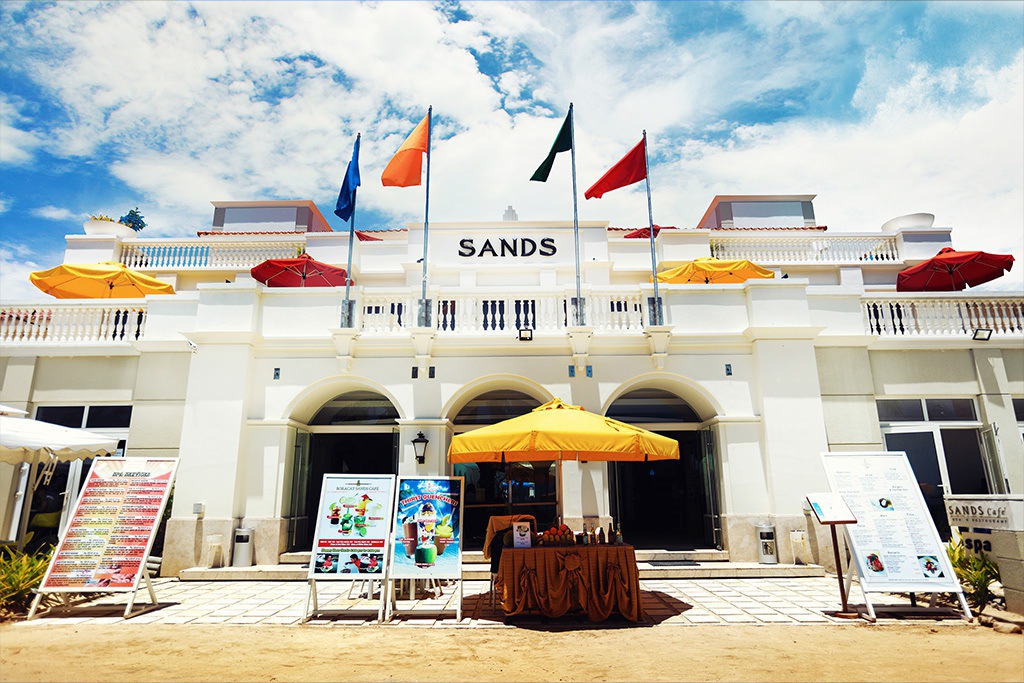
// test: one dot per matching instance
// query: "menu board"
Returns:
(428, 528)
(112, 527)
(352, 526)
(894, 541)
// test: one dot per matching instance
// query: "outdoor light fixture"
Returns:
(526, 335)
(420, 445)
(982, 334)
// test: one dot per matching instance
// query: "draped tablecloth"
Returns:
(597, 579)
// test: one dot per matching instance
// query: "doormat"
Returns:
(673, 563)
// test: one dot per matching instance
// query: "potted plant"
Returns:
(127, 226)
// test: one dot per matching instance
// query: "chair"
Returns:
(494, 542)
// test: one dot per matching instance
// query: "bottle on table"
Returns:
(586, 536)
(600, 535)
(618, 534)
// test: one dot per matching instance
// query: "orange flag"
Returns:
(404, 169)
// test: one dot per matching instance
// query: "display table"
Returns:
(596, 579)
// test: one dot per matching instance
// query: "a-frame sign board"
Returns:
(895, 545)
(107, 542)
(353, 529)
(427, 534)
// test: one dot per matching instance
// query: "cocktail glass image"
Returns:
(426, 555)
(409, 532)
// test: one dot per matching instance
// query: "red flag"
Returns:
(630, 169)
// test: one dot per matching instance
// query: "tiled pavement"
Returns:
(667, 602)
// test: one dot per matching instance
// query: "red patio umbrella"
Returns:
(952, 270)
(303, 271)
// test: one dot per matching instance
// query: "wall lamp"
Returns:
(526, 335)
(982, 334)
(420, 446)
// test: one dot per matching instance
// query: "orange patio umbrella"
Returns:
(107, 280)
(559, 431)
(709, 270)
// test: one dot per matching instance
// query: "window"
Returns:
(926, 410)
(108, 416)
(88, 417)
(65, 416)
(356, 408)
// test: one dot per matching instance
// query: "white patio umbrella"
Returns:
(23, 440)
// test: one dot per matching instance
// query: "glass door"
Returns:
(709, 472)
(924, 460)
(298, 519)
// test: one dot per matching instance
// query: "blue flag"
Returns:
(347, 196)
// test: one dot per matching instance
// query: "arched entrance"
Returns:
(502, 488)
(669, 504)
(353, 432)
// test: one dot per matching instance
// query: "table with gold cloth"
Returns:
(596, 579)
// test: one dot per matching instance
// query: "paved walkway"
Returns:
(667, 602)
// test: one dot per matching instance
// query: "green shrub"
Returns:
(975, 571)
(20, 573)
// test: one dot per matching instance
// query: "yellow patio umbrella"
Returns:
(107, 280)
(559, 431)
(709, 270)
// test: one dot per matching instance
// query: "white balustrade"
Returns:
(927, 315)
(72, 323)
(384, 313)
(214, 253)
(807, 249)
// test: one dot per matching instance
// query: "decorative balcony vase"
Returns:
(98, 227)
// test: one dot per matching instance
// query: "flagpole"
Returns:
(578, 309)
(348, 270)
(655, 316)
(424, 316)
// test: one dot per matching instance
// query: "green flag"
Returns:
(563, 143)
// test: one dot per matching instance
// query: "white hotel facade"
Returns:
(259, 391)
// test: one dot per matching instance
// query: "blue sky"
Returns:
(879, 108)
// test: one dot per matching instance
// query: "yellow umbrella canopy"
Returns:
(559, 431)
(107, 280)
(709, 270)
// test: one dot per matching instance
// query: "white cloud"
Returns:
(16, 262)
(53, 213)
(17, 145)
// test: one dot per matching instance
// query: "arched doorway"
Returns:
(667, 504)
(353, 432)
(502, 488)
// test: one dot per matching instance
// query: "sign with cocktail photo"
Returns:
(352, 527)
(428, 528)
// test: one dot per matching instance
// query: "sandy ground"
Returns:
(907, 651)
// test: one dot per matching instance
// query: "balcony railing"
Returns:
(73, 323)
(214, 253)
(483, 313)
(924, 316)
(834, 249)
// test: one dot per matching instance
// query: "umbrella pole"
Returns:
(560, 507)
(26, 508)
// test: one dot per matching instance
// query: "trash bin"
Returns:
(766, 551)
(242, 555)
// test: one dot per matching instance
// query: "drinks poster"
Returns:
(352, 525)
(112, 526)
(894, 542)
(428, 528)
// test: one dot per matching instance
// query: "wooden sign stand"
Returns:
(831, 510)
